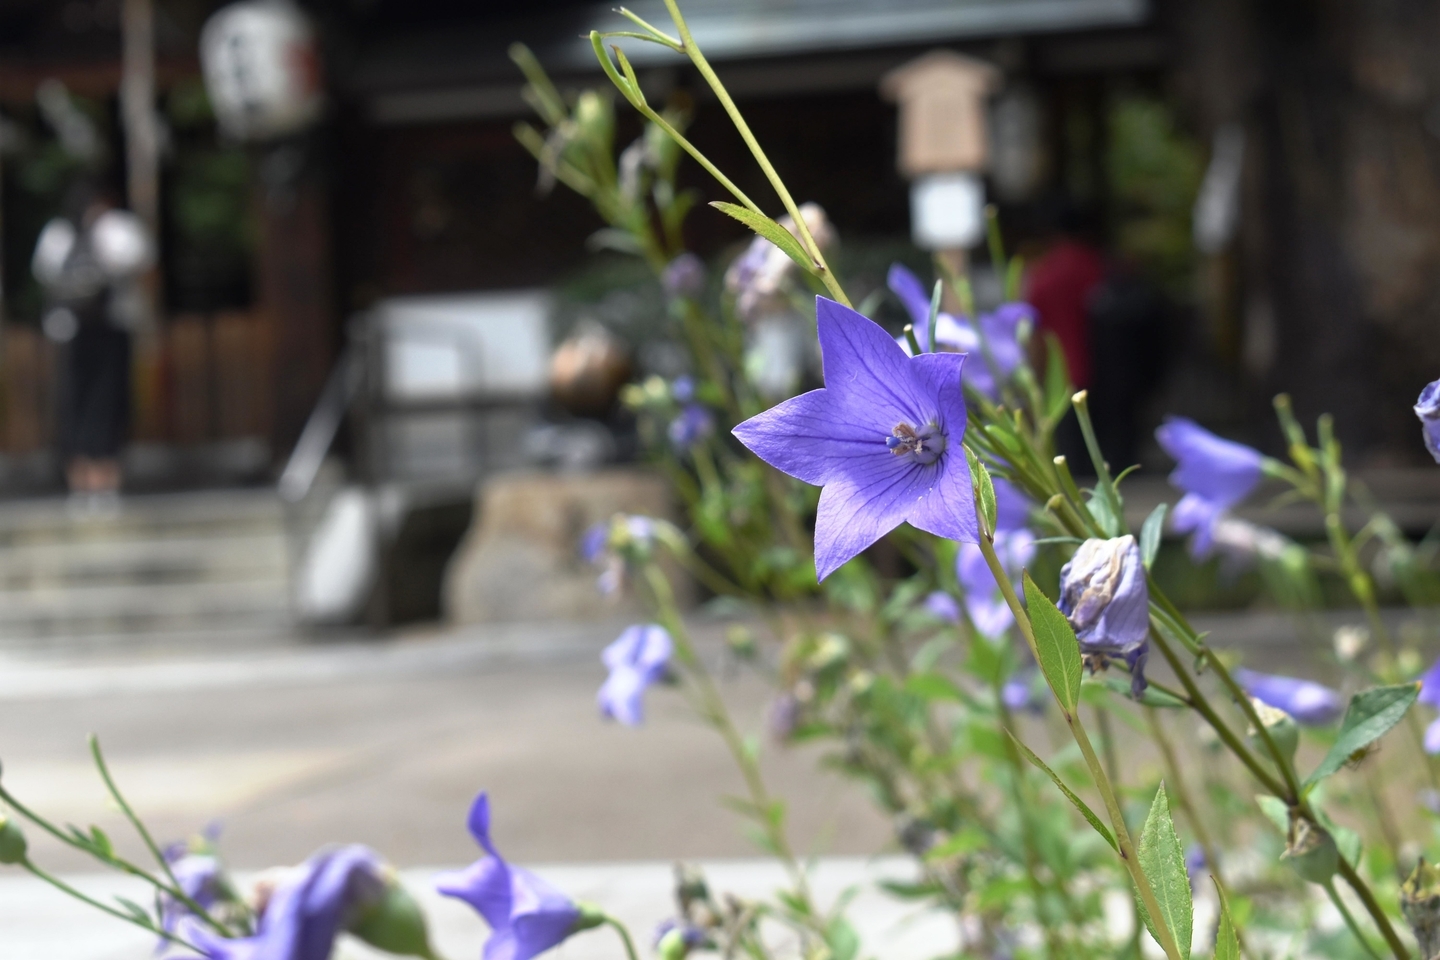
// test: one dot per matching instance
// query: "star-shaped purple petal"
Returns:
(882, 438)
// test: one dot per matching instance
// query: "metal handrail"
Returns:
(322, 426)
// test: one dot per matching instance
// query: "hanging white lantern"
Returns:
(262, 69)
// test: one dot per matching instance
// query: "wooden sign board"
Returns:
(942, 98)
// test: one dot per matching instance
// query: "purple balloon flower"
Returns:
(527, 916)
(682, 388)
(994, 341)
(199, 876)
(1308, 702)
(1430, 695)
(693, 424)
(1215, 474)
(1427, 408)
(1104, 596)
(1021, 692)
(983, 600)
(684, 276)
(1012, 508)
(306, 912)
(882, 438)
(942, 606)
(637, 658)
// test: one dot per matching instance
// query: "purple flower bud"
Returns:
(984, 602)
(882, 438)
(305, 913)
(527, 916)
(684, 276)
(1308, 702)
(1104, 596)
(693, 424)
(637, 658)
(1427, 408)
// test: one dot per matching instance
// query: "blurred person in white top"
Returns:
(88, 260)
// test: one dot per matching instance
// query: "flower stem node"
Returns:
(1310, 849)
(590, 917)
(13, 846)
(1420, 902)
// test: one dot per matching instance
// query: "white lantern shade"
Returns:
(262, 69)
(947, 211)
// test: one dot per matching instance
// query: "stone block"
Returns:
(520, 559)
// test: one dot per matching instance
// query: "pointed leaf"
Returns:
(1275, 811)
(1151, 533)
(1080, 805)
(1227, 941)
(134, 909)
(1370, 715)
(1163, 861)
(770, 230)
(1055, 646)
(984, 491)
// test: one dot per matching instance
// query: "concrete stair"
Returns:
(170, 570)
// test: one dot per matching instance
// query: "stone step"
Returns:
(242, 556)
(157, 516)
(49, 611)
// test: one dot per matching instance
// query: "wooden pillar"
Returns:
(296, 295)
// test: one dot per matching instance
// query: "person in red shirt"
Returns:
(1060, 285)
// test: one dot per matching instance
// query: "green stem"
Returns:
(723, 95)
(177, 891)
(1053, 945)
(64, 887)
(1097, 771)
(624, 935)
(1372, 907)
(1349, 919)
(714, 710)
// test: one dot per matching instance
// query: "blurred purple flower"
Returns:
(603, 543)
(1308, 702)
(1215, 474)
(637, 658)
(1430, 695)
(993, 343)
(983, 600)
(527, 916)
(1195, 863)
(757, 276)
(1012, 508)
(693, 424)
(684, 276)
(1427, 408)
(1021, 692)
(784, 716)
(682, 388)
(942, 606)
(1104, 596)
(307, 911)
(882, 438)
(199, 876)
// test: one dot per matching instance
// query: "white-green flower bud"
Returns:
(1311, 850)
(12, 841)
(1283, 730)
(395, 923)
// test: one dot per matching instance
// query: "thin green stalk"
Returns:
(713, 709)
(1350, 920)
(1372, 907)
(1081, 403)
(177, 891)
(624, 935)
(64, 887)
(1097, 771)
(1053, 945)
(723, 95)
(1072, 493)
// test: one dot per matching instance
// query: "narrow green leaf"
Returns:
(1080, 805)
(134, 909)
(841, 938)
(1163, 861)
(1055, 646)
(770, 230)
(101, 842)
(1227, 941)
(1151, 532)
(1370, 715)
(1275, 811)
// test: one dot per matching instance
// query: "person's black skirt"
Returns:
(95, 392)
